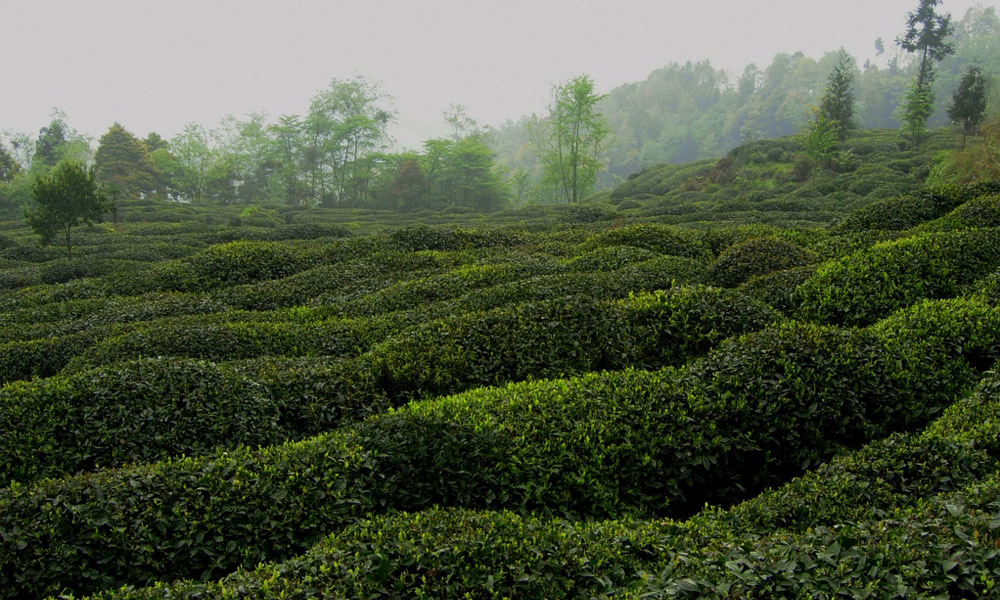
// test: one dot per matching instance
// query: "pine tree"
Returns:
(837, 103)
(123, 162)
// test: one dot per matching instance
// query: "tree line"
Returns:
(336, 155)
(339, 153)
(686, 112)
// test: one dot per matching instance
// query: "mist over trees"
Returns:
(690, 111)
(340, 153)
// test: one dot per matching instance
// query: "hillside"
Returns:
(718, 380)
(694, 111)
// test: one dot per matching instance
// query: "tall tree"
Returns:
(191, 157)
(123, 162)
(926, 32)
(968, 104)
(287, 146)
(837, 103)
(574, 135)
(65, 197)
(58, 141)
(346, 123)
(8, 166)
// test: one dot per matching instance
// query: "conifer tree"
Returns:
(837, 103)
(123, 161)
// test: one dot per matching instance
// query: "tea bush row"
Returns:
(872, 283)
(911, 209)
(753, 413)
(548, 339)
(458, 552)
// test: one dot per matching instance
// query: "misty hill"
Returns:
(682, 113)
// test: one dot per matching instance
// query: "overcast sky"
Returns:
(154, 65)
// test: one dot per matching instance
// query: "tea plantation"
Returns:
(708, 393)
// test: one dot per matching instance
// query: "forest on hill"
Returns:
(339, 153)
(686, 112)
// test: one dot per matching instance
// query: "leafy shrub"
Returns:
(909, 210)
(748, 415)
(245, 262)
(983, 211)
(43, 357)
(755, 257)
(219, 339)
(61, 271)
(778, 289)
(663, 239)
(609, 258)
(966, 328)
(452, 552)
(872, 283)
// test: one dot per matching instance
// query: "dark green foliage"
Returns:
(749, 415)
(292, 398)
(43, 357)
(872, 283)
(448, 553)
(968, 104)
(247, 262)
(778, 289)
(658, 238)
(966, 328)
(837, 103)
(983, 211)
(755, 257)
(910, 210)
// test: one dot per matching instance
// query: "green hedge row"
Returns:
(664, 239)
(912, 209)
(872, 283)
(751, 414)
(451, 553)
(152, 409)
(223, 338)
(548, 339)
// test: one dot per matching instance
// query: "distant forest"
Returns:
(340, 153)
(683, 113)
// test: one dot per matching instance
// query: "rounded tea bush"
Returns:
(755, 257)
(872, 283)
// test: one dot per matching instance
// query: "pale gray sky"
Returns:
(154, 65)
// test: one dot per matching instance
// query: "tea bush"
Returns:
(914, 208)
(779, 289)
(750, 414)
(755, 257)
(872, 283)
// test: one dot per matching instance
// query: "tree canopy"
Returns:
(571, 140)
(65, 197)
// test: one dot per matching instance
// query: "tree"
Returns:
(57, 142)
(191, 155)
(123, 162)
(65, 197)
(346, 123)
(821, 138)
(926, 32)
(8, 166)
(918, 104)
(968, 104)
(837, 103)
(574, 136)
